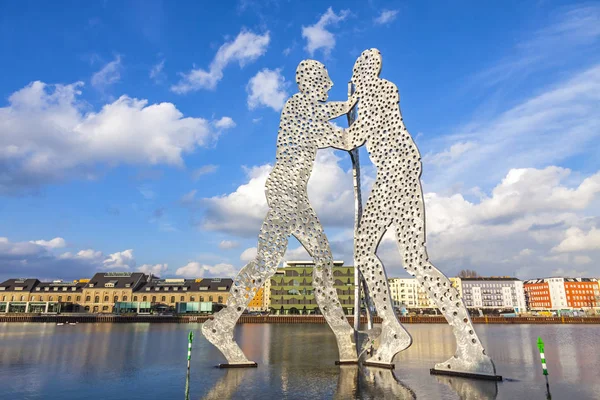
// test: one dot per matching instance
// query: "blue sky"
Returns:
(138, 135)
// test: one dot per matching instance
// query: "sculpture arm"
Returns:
(334, 136)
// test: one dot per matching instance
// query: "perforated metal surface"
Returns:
(397, 199)
(304, 128)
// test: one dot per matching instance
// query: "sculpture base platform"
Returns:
(378, 365)
(346, 362)
(469, 375)
(239, 365)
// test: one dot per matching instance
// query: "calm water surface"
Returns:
(148, 361)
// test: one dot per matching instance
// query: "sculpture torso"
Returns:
(300, 126)
(388, 142)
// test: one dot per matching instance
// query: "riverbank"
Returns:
(277, 319)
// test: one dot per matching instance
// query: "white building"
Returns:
(408, 293)
(494, 293)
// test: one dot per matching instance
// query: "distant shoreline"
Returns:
(278, 319)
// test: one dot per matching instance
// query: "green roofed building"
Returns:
(291, 289)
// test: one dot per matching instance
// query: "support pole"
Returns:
(357, 216)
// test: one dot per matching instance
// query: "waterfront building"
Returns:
(292, 291)
(184, 295)
(494, 293)
(457, 284)
(68, 295)
(33, 296)
(107, 288)
(409, 294)
(403, 292)
(563, 293)
(258, 301)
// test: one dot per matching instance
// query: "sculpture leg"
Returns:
(394, 338)
(310, 233)
(271, 247)
(470, 357)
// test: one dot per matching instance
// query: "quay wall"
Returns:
(278, 319)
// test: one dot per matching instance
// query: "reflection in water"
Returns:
(187, 385)
(103, 361)
(226, 387)
(358, 381)
(470, 389)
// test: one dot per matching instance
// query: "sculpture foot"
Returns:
(391, 342)
(222, 339)
(346, 347)
(465, 366)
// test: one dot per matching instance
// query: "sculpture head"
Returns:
(366, 67)
(313, 80)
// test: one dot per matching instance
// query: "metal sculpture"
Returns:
(304, 128)
(396, 199)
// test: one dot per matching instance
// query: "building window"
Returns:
(163, 298)
(50, 299)
(154, 299)
(220, 299)
(115, 299)
(172, 299)
(68, 298)
(210, 298)
(182, 299)
(87, 298)
(97, 299)
(124, 298)
(144, 298)
(106, 298)
(201, 299)
(134, 298)
(105, 308)
(78, 298)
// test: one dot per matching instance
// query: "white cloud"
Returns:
(195, 269)
(108, 75)
(121, 259)
(55, 243)
(156, 72)
(240, 212)
(386, 17)
(203, 170)
(224, 123)
(267, 88)
(300, 254)
(39, 259)
(249, 254)
(525, 252)
(318, 37)
(510, 230)
(154, 269)
(580, 260)
(228, 244)
(46, 135)
(244, 49)
(449, 156)
(577, 239)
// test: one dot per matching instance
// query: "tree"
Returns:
(468, 273)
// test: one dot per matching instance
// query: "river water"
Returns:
(148, 361)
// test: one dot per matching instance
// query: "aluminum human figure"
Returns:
(396, 199)
(304, 128)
